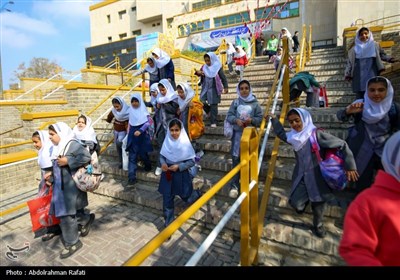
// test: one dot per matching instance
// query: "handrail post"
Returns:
(285, 86)
(244, 208)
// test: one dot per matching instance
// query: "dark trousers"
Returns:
(299, 201)
(235, 180)
(212, 109)
(168, 205)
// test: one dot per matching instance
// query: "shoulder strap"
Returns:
(314, 145)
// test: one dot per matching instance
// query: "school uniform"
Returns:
(120, 125)
(181, 152)
(154, 75)
(212, 84)
(308, 185)
(165, 65)
(46, 165)
(87, 136)
(168, 111)
(242, 108)
(364, 62)
(372, 127)
(138, 145)
(67, 199)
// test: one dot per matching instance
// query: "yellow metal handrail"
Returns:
(248, 171)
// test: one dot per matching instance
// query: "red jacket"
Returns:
(371, 233)
(241, 60)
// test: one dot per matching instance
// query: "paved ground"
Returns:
(119, 230)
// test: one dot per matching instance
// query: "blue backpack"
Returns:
(332, 166)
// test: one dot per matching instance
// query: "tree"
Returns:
(39, 67)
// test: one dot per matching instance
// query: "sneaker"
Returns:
(70, 250)
(233, 193)
(86, 228)
(213, 125)
(158, 171)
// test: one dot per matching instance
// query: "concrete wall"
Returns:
(128, 23)
(19, 176)
(359, 11)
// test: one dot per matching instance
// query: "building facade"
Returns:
(202, 22)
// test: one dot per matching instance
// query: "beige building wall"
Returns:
(361, 11)
(328, 18)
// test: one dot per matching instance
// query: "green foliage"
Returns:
(39, 67)
(194, 54)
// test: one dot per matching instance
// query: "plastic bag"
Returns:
(39, 210)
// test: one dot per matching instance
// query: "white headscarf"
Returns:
(87, 133)
(65, 133)
(171, 94)
(288, 34)
(154, 88)
(189, 94)
(138, 116)
(44, 155)
(250, 97)
(391, 156)
(373, 112)
(364, 49)
(152, 70)
(122, 115)
(212, 70)
(298, 139)
(163, 57)
(230, 49)
(241, 52)
(177, 150)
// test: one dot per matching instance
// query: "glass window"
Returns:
(136, 33)
(205, 4)
(121, 13)
(108, 18)
(291, 10)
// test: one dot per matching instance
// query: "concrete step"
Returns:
(282, 225)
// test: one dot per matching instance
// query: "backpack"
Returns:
(228, 127)
(332, 166)
(195, 120)
(87, 178)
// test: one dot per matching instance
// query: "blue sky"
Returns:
(57, 30)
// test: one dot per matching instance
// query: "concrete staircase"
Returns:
(287, 237)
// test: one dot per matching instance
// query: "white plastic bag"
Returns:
(125, 157)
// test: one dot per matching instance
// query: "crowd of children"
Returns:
(376, 117)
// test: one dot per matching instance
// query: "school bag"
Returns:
(331, 166)
(87, 178)
(195, 120)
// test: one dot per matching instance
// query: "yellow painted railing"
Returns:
(249, 234)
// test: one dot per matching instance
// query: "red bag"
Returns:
(39, 210)
(323, 98)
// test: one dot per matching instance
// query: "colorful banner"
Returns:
(222, 33)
